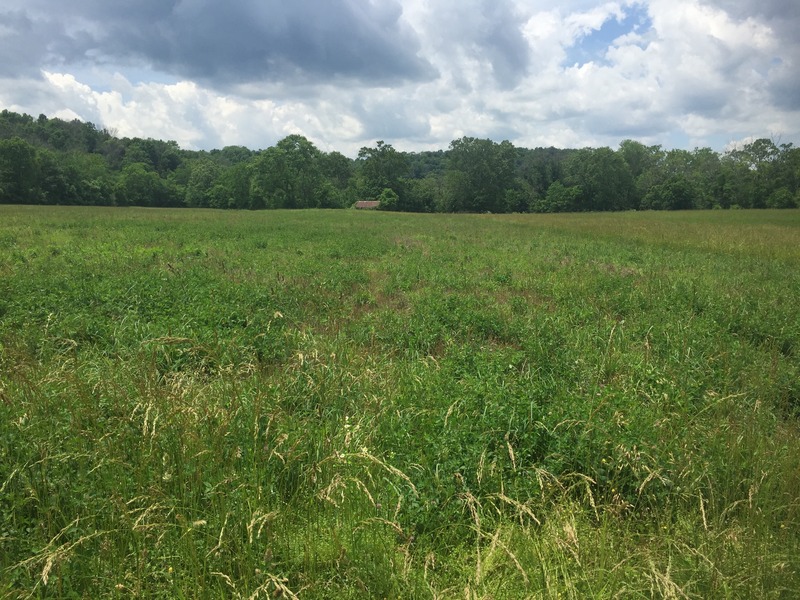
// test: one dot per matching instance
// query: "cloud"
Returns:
(605, 27)
(223, 44)
(25, 43)
(782, 17)
(414, 73)
(383, 115)
(471, 41)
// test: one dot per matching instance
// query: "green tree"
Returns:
(303, 170)
(336, 168)
(91, 177)
(113, 150)
(682, 180)
(642, 162)
(638, 157)
(781, 198)
(235, 185)
(388, 199)
(739, 187)
(675, 194)
(286, 175)
(380, 168)
(16, 125)
(140, 186)
(161, 156)
(328, 195)
(54, 183)
(200, 187)
(788, 166)
(479, 173)
(423, 164)
(426, 194)
(232, 155)
(706, 177)
(752, 173)
(518, 198)
(537, 169)
(559, 198)
(603, 177)
(19, 172)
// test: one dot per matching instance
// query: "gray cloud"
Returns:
(785, 90)
(778, 10)
(243, 42)
(705, 103)
(636, 131)
(500, 37)
(783, 17)
(391, 119)
(415, 73)
(26, 43)
(488, 32)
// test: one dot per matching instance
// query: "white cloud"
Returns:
(690, 70)
(578, 24)
(193, 115)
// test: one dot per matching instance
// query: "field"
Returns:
(343, 404)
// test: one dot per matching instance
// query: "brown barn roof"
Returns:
(368, 204)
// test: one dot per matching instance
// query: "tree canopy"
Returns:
(52, 161)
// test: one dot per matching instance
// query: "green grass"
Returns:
(339, 404)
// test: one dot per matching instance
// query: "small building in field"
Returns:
(367, 204)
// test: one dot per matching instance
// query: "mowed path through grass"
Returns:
(343, 404)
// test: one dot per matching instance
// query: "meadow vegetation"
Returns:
(345, 404)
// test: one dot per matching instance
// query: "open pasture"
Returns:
(345, 404)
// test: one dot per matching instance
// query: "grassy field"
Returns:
(340, 404)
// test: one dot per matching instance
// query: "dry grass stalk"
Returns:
(259, 519)
(388, 467)
(662, 584)
(219, 540)
(474, 508)
(52, 554)
(511, 454)
(522, 509)
(497, 542)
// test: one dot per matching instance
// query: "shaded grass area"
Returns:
(340, 404)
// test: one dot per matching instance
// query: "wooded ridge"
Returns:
(53, 161)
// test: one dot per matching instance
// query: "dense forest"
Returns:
(53, 161)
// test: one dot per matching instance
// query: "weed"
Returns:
(322, 404)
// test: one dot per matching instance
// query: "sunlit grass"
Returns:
(343, 404)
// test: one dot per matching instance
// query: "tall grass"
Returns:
(342, 404)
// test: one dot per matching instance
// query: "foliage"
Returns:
(201, 189)
(674, 194)
(479, 173)
(559, 199)
(140, 186)
(539, 168)
(388, 199)
(424, 195)
(51, 161)
(380, 168)
(603, 177)
(19, 172)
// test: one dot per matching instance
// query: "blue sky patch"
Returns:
(593, 47)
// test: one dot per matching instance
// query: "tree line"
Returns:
(53, 161)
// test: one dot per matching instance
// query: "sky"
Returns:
(414, 73)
